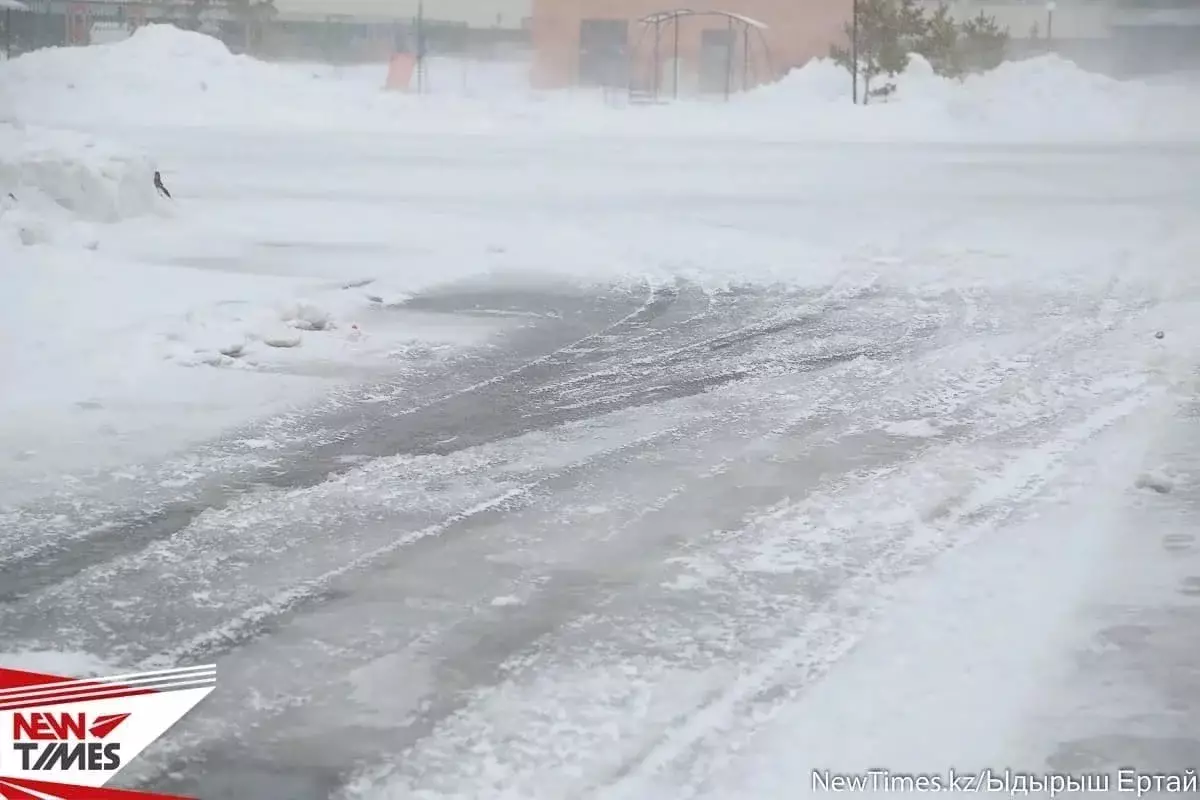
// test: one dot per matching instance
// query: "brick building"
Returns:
(720, 44)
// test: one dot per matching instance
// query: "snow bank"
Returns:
(1036, 99)
(51, 179)
(165, 76)
(116, 361)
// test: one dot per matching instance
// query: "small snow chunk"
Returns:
(307, 317)
(30, 235)
(282, 340)
(233, 350)
(390, 299)
(683, 583)
(1154, 481)
(1159, 335)
(257, 444)
(915, 428)
(209, 359)
(506, 600)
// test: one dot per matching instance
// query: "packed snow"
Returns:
(1053, 210)
(117, 359)
(53, 662)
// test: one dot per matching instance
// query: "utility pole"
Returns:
(421, 47)
(675, 58)
(854, 48)
(728, 57)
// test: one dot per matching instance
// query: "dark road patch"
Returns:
(580, 356)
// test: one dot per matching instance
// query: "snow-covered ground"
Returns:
(111, 358)
(940, 515)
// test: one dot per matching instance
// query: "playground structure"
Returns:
(720, 60)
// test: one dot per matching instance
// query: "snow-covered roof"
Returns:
(753, 23)
(13, 5)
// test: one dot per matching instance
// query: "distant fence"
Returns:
(54, 23)
(57, 23)
(341, 40)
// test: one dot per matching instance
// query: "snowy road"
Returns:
(666, 535)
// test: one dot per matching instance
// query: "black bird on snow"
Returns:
(158, 184)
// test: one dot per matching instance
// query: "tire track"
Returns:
(790, 665)
(345, 416)
(887, 557)
(796, 413)
(42, 563)
(744, 412)
(580, 595)
(158, 561)
(70, 606)
(810, 629)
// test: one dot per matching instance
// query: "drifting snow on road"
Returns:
(643, 465)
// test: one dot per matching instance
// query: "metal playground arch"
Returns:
(658, 23)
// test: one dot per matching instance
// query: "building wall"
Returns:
(796, 32)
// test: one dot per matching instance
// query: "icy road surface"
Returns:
(882, 502)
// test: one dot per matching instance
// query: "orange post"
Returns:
(400, 72)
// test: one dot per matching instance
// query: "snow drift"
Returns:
(1036, 99)
(51, 179)
(162, 74)
(165, 76)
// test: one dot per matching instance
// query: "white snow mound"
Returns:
(159, 58)
(164, 75)
(1041, 98)
(48, 175)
